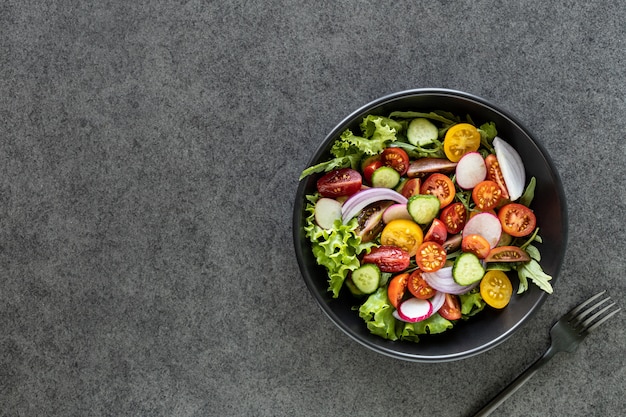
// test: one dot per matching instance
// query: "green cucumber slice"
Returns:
(385, 177)
(366, 278)
(423, 208)
(421, 132)
(467, 269)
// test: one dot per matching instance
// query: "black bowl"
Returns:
(490, 327)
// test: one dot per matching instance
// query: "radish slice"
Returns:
(327, 210)
(396, 315)
(364, 198)
(396, 211)
(415, 309)
(443, 281)
(470, 170)
(485, 224)
(512, 168)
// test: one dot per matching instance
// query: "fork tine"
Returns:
(584, 304)
(575, 321)
(602, 320)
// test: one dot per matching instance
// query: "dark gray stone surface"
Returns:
(149, 155)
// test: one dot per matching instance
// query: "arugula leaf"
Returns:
(487, 133)
(529, 192)
(348, 161)
(533, 270)
(446, 118)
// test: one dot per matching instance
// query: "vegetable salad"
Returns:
(423, 218)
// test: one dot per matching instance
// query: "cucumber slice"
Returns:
(366, 278)
(421, 132)
(385, 177)
(423, 208)
(352, 288)
(467, 269)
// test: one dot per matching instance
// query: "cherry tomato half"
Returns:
(411, 187)
(459, 140)
(388, 258)
(451, 308)
(454, 217)
(436, 232)
(405, 234)
(430, 256)
(340, 182)
(418, 286)
(440, 186)
(486, 195)
(517, 220)
(370, 165)
(396, 158)
(494, 173)
(397, 288)
(496, 289)
(507, 254)
(477, 245)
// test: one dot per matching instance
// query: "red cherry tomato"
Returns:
(486, 195)
(370, 165)
(440, 186)
(397, 288)
(388, 258)
(411, 187)
(430, 256)
(419, 287)
(507, 254)
(339, 183)
(451, 308)
(454, 217)
(436, 232)
(517, 220)
(396, 158)
(494, 173)
(476, 244)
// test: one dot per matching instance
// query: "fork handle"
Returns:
(515, 384)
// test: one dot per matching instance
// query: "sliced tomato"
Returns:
(441, 186)
(388, 258)
(486, 195)
(419, 287)
(436, 232)
(370, 165)
(459, 140)
(339, 183)
(517, 219)
(396, 158)
(454, 217)
(411, 187)
(476, 244)
(507, 254)
(496, 289)
(403, 233)
(397, 288)
(494, 173)
(451, 308)
(430, 256)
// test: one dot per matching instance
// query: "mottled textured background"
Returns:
(149, 156)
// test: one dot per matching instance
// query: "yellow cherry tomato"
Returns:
(496, 289)
(459, 140)
(403, 233)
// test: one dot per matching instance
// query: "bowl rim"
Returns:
(299, 206)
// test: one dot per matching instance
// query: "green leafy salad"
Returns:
(422, 219)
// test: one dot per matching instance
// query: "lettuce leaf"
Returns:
(336, 249)
(471, 303)
(433, 325)
(376, 311)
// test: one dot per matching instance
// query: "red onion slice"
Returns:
(364, 198)
(442, 280)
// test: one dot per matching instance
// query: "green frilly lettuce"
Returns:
(336, 249)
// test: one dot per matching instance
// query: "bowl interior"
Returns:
(490, 327)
